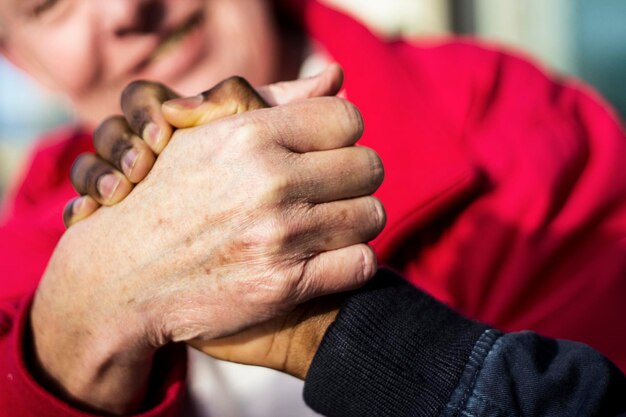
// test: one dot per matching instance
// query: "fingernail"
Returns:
(77, 205)
(152, 134)
(69, 212)
(129, 160)
(186, 103)
(107, 184)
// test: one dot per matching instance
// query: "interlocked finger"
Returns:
(116, 143)
(322, 123)
(337, 174)
(92, 175)
(339, 224)
(326, 83)
(79, 209)
(141, 105)
(335, 271)
(230, 97)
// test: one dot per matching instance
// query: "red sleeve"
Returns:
(505, 186)
(542, 244)
(31, 222)
(29, 231)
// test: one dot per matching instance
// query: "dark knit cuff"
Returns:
(392, 351)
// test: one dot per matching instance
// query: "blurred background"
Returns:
(581, 38)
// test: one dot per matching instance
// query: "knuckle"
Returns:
(377, 214)
(230, 90)
(275, 187)
(368, 264)
(239, 92)
(376, 167)
(278, 234)
(139, 98)
(131, 91)
(79, 171)
(352, 117)
(107, 135)
(242, 135)
(110, 126)
(137, 87)
(139, 117)
(235, 83)
(278, 296)
(247, 130)
(267, 238)
(307, 280)
(80, 163)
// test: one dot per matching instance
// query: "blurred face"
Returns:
(90, 49)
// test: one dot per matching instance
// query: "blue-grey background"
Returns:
(600, 47)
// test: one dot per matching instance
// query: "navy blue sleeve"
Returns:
(395, 351)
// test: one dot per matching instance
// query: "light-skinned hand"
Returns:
(127, 145)
(239, 221)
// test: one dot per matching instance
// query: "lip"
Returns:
(180, 31)
(173, 50)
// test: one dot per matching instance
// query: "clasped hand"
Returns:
(248, 212)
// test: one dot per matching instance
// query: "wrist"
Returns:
(93, 358)
(308, 333)
(90, 369)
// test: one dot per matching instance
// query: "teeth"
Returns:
(172, 41)
(167, 46)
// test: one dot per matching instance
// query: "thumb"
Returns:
(235, 95)
(232, 96)
(326, 83)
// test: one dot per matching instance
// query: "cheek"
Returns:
(71, 61)
(67, 70)
(75, 70)
(63, 58)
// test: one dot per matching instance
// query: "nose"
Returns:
(132, 17)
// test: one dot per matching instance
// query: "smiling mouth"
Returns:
(172, 40)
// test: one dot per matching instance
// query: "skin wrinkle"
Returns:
(232, 293)
(178, 284)
(225, 257)
(300, 235)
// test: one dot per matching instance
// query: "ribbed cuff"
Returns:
(392, 351)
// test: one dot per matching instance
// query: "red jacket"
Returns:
(504, 190)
